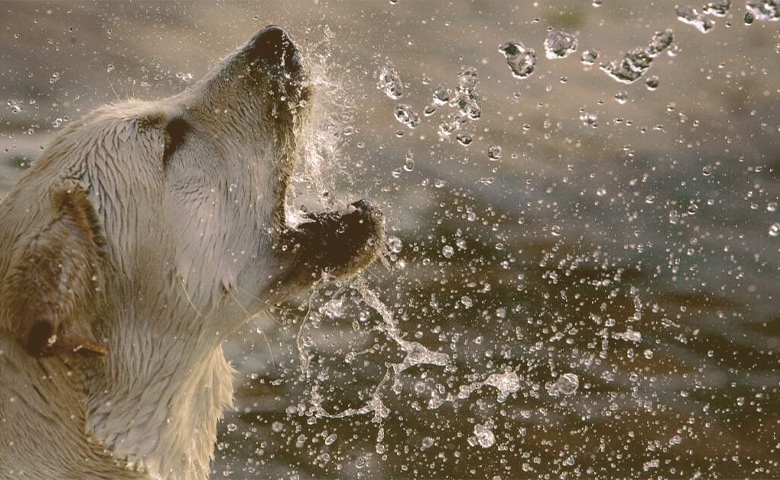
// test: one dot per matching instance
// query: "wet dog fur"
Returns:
(144, 235)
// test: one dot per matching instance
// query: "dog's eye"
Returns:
(176, 134)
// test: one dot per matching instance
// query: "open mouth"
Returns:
(337, 243)
(328, 244)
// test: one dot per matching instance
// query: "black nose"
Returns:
(274, 46)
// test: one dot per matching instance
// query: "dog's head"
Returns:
(175, 206)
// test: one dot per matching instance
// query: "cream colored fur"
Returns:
(145, 234)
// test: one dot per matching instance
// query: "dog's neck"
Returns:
(156, 399)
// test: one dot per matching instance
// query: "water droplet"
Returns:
(521, 60)
(330, 439)
(771, 207)
(406, 115)
(652, 82)
(568, 383)
(660, 42)
(484, 436)
(633, 65)
(506, 383)
(691, 16)
(589, 119)
(232, 427)
(184, 77)
(390, 82)
(718, 8)
(555, 230)
(774, 230)
(447, 251)
(110, 68)
(464, 139)
(467, 80)
(15, 105)
(706, 170)
(621, 97)
(589, 57)
(559, 44)
(494, 152)
(427, 442)
(394, 244)
(441, 96)
(409, 162)
(765, 10)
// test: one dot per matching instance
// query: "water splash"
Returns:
(416, 353)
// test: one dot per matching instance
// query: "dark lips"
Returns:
(274, 46)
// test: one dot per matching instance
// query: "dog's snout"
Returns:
(274, 46)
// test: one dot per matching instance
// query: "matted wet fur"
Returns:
(145, 234)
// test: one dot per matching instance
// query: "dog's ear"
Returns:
(54, 284)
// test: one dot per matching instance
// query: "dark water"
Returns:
(582, 276)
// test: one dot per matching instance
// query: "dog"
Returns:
(145, 234)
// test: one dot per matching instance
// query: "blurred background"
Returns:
(583, 264)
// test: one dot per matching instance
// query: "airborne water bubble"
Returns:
(691, 16)
(390, 82)
(661, 41)
(521, 60)
(464, 139)
(559, 44)
(652, 82)
(15, 105)
(719, 8)
(589, 57)
(484, 436)
(406, 115)
(494, 152)
(765, 10)
(568, 383)
(409, 162)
